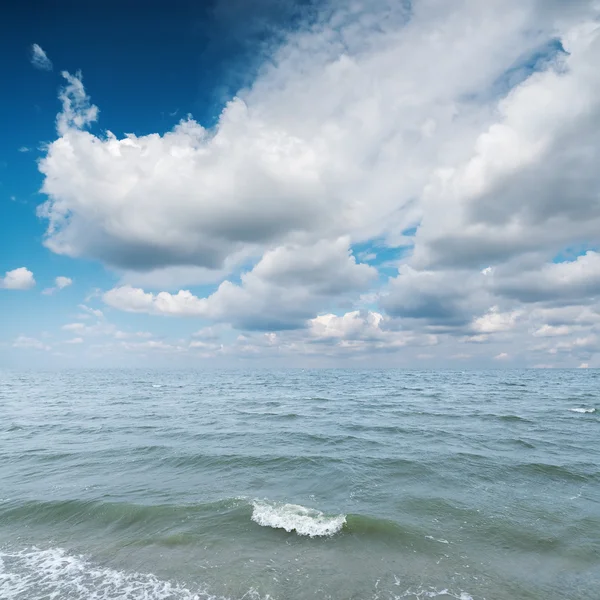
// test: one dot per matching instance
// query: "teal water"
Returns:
(291, 485)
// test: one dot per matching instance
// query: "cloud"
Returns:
(501, 356)
(91, 312)
(24, 149)
(124, 335)
(17, 279)
(442, 299)
(558, 283)
(553, 330)
(495, 321)
(530, 182)
(74, 326)
(459, 138)
(152, 345)
(364, 331)
(273, 170)
(76, 340)
(59, 284)
(101, 328)
(63, 282)
(288, 286)
(25, 342)
(39, 59)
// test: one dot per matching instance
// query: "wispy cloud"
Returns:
(30, 343)
(39, 59)
(59, 284)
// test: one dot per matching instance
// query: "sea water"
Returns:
(300, 484)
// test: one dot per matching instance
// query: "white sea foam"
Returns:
(583, 410)
(441, 541)
(421, 594)
(41, 574)
(293, 517)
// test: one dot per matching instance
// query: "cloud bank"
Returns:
(463, 137)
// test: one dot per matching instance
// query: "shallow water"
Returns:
(327, 484)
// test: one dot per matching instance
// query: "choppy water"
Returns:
(300, 484)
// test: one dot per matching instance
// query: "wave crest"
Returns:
(583, 410)
(293, 517)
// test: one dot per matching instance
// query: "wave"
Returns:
(513, 419)
(38, 574)
(118, 515)
(155, 524)
(583, 410)
(552, 471)
(293, 517)
(522, 443)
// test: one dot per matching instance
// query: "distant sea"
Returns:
(300, 484)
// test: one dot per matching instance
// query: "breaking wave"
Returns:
(293, 517)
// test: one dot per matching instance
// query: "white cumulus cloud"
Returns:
(17, 279)
(286, 288)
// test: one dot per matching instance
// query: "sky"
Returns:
(277, 183)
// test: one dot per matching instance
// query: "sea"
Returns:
(300, 484)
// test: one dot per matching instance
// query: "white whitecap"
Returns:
(432, 593)
(156, 385)
(441, 541)
(293, 517)
(583, 410)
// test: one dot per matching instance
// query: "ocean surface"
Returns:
(300, 484)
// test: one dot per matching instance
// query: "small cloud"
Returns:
(24, 149)
(366, 256)
(17, 279)
(501, 356)
(60, 283)
(29, 343)
(76, 340)
(95, 293)
(476, 339)
(74, 327)
(63, 282)
(123, 335)
(552, 330)
(94, 312)
(39, 59)
(461, 356)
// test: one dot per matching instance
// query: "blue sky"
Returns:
(300, 184)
